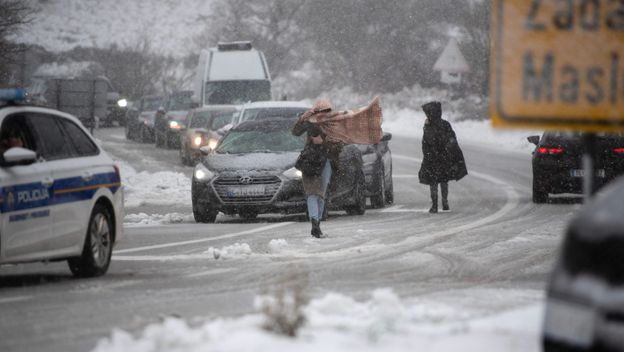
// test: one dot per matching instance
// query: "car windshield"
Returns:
(179, 102)
(237, 92)
(260, 141)
(271, 113)
(212, 120)
(152, 104)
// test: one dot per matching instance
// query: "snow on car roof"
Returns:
(233, 65)
(277, 104)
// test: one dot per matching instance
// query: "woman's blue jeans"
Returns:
(316, 204)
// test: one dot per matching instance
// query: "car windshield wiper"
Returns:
(262, 151)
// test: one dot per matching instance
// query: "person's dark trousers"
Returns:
(434, 196)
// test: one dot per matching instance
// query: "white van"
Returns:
(231, 74)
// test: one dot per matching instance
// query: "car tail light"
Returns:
(618, 150)
(550, 151)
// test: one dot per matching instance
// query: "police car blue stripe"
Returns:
(35, 195)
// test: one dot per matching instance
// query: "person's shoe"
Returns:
(316, 229)
(445, 206)
(433, 209)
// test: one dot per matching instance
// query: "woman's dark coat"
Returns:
(443, 160)
(331, 151)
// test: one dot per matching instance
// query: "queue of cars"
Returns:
(61, 196)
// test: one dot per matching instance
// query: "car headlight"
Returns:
(293, 173)
(175, 125)
(122, 103)
(212, 143)
(197, 141)
(202, 173)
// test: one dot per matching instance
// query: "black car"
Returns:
(252, 172)
(558, 162)
(167, 125)
(377, 160)
(140, 118)
(585, 296)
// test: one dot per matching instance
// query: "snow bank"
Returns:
(237, 250)
(340, 323)
(159, 188)
(277, 246)
(142, 219)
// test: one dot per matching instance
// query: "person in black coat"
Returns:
(443, 160)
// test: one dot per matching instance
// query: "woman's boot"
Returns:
(434, 198)
(316, 228)
(444, 189)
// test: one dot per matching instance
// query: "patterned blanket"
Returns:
(359, 126)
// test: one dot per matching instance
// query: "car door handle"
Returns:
(87, 176)
(47, 182)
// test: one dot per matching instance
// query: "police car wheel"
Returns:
(98, 246)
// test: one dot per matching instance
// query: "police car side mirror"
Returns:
(17, 155)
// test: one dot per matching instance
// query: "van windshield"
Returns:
(236, 92)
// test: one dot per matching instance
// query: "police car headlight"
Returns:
(293, 173)
(122, 103)
(174, 125)
(202, 173)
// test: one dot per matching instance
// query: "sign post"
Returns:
(558, 65)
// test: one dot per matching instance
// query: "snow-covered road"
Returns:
(478, 270)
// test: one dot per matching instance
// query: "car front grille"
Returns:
(232, 189)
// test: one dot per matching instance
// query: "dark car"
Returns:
(167, 126)
(377, 160)
(558, 162)
(252, 172)
(585, 296)
(140, 118)
(204, 127)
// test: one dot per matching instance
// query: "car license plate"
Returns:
(569, 322)
(581, 173)
(246, 191)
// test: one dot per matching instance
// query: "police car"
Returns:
(61, 196)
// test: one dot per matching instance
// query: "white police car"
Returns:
(61, 196)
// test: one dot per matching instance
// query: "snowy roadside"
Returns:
(338, 323)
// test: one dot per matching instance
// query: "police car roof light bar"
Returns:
(12, 94)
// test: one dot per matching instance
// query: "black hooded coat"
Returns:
(443, 160)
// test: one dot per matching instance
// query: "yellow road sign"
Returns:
(557, 64)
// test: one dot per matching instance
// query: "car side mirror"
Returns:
(386, 137)
(205, 150)
(534, 139)
(21, 156)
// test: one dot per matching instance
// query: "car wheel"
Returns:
(98, 245)
(158, 140)
(203, 214)
(540, 195)
(143, 135)
(378, 200)
(390, 189)
(359, 207)
(183, 158)
(248, 214)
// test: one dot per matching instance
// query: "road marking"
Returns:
(404, 176)
(15, 299)
(212, 272)
(400, 209)
(183, 243)
(513, 200)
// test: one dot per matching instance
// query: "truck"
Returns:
(91, 100)
(232, 73)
